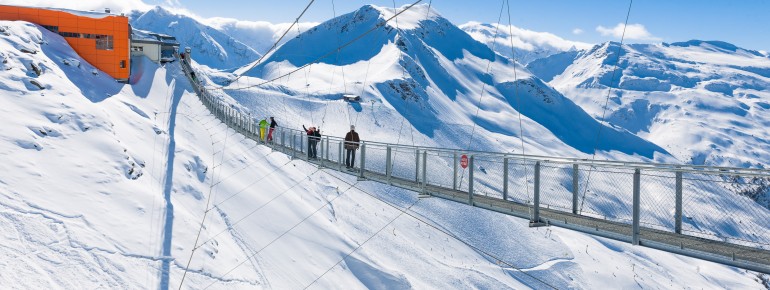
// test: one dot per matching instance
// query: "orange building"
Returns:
(102, 39)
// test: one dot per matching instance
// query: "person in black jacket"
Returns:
(273, 124)
(316, 140)
(351, 145)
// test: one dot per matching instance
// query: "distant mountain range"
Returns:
(211, 46)
(702, 101)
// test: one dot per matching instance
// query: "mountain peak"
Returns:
(409, 19)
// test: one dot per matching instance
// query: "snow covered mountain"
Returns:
(706, 102)
(528, 45)
(103, 185)
(423, 69)
(211, 46)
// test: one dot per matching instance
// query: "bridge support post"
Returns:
(424, 170)
(417, 165)
(678, 214)
(505, 178)
(575, 188)
(339, 157)
(327, 150)
(388, 163)
(454, 177)
(302, 147)
(363, 161)
(536, 222)
(321, 160)
(636, 207)
(470, 180)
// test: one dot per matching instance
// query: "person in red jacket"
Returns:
(351, 145)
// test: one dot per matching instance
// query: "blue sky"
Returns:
(741, 22)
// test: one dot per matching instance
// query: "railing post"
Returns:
(417, 165)
(470, 180)
(301, 147)
(536, 207)
(505, 178)
(293, 145)
(327, 149)
(388, 163)
(454, 177)
(363, 160)
(424, 170)
(678, 214)
(636, 207)
(339, 157)
(321, 160)
(575, 176)
(283, 143)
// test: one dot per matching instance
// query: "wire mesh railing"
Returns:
(723, 204)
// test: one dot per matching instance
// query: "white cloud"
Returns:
(633, 31)
(259, 35)
(577, 31)
(522, 38)
(117, 6)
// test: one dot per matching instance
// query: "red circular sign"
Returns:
(464, 161)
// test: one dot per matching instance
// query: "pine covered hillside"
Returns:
(527, 45)
(212, 47)
(104, 185)
(422, 69)
(705, 102)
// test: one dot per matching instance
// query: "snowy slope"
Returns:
(528, 45)
(213, 47)
(705, 102)
(103, 185)
(422, 69)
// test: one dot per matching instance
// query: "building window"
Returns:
(137, 48)
(54, 29)
(69, 34)
(104, 42)
(122, 64)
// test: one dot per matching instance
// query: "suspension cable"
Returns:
(518, 100)
(413, 215)
(275, 44)
(287, 231)
(483, 84)
(606, 103)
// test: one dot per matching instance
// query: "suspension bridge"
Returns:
(704, 212)
(646, 203)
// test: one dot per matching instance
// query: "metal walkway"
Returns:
(618, 205)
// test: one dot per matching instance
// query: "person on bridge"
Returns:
(310, 141)
(316, 140)
(273, 124)
(262, 129)
(351, 145)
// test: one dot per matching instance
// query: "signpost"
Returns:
(464, 161)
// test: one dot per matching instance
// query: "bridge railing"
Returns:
(717, 203)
